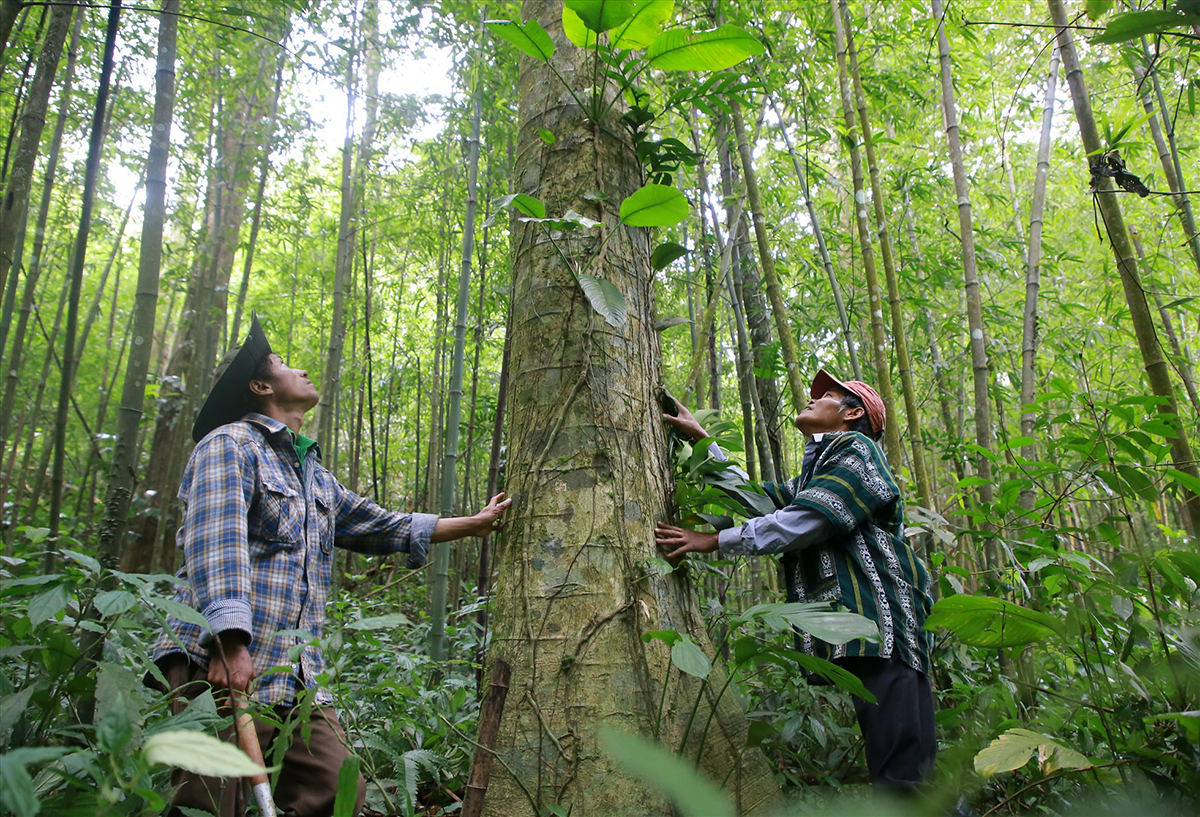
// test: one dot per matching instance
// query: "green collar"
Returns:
(302, 445)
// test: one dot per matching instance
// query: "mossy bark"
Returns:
(588, 469)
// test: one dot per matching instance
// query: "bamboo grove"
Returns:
(985, 210)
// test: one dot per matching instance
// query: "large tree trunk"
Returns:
(1109, 205)
(588, 469)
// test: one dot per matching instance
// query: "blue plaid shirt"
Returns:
(258, 533)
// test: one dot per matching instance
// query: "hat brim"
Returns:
(823, 382)
(229, 398)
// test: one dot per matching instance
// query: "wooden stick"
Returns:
(248, 740)
(489, 729)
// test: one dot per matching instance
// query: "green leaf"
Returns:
(982, 621)
(689, 658)
(663, 770)
(523, 202)
(181, 611)
(655, 205)
(814, 618)
(17, 794)
(347, 787)
(48, 604)
(1122, 606)
(715, 50)
(605, 298)
(531, 38)
(1186, 480)
(12, 706)
(111, 603)
(1140, 23)
(601, 15)
(1013, 749)
(115, 729)
(668, 637)
(87, 562)
(665, 253)
(640, 30)
(577, 31)
(199, 753)
(1098, 8)
(389, 622)
(546, 136)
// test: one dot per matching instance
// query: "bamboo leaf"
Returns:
(1140, 23)
(640, 30)
(680, 50)
(530, 37)
(605, 299)
(655, 205)
(601, 15)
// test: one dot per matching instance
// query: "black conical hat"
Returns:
(229, 399)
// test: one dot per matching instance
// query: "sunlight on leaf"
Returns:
(688, 657)
(1013, 749)
(982, 621)
(601, 15)
(199, 753)
(715, 50)
(640, 30)
(531, 38)
(655, 205)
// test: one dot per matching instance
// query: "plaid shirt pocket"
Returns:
(325, 523)
(279, 523)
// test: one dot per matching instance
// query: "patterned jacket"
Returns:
(258, 533)
(868, 566)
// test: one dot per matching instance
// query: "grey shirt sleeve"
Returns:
(788, 529)
(717, 454)
(419, 537)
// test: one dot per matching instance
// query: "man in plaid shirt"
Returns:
(262, 517)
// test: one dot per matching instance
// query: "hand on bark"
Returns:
(683, 540)
(491, 517)
(684, 423)
(229, 663)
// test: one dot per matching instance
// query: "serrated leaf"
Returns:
(181, 611)
(660, 768)
(606, 299)
(601, 15)
(530, 37)
(48, 604)
(714, 50)
(111, 603)
(1013, 749)
(666, 253)
(640, 29)
(87, 562)
(199, 753)
(655, 205)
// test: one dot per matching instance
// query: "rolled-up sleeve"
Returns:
(217, 498)
(364, 527)
(789, 529)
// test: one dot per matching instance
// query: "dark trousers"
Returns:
(898, 729)
(308, 780)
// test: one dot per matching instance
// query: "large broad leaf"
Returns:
(347, 790)
(391, 621)
(665, 253)
(1013, 749)
(663, 770)
(689, 658)
(715, 50)
(655, 205)
(1140, 23)
(48, 604)
(523, 203)
(986, 622)
(199, 753)
(577, 31)
(816, 619)
(531, 38)
(605, 299)
(640, 30)
(17, 795)
(601, 15)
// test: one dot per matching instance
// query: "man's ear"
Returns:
(260, 387)
(853, 414)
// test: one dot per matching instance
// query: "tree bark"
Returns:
(589, 473)
(1157, 371)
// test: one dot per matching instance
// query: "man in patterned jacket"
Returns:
(840, 528)
(262, 517)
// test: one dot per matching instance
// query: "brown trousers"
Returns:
(308, 780)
